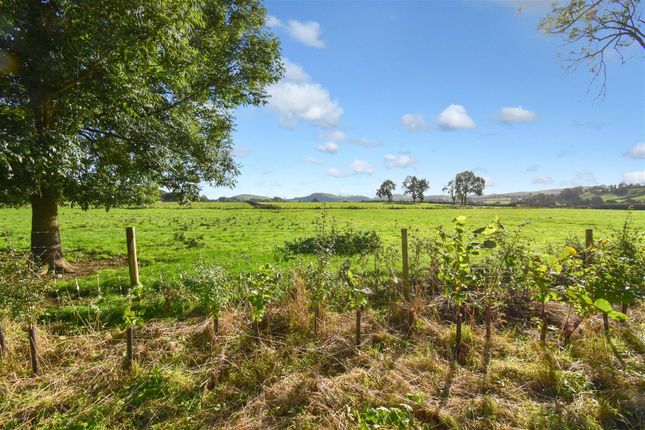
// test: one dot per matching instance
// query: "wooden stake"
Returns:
(358, 326)
(131, 238)
(406, 277)
(406, 268)
(589, 237)
(33, 349)
(3, 345)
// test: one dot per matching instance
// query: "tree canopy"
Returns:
(467, 183)
(105, 99)
(415, 187)
(386, 189)
(104, 102)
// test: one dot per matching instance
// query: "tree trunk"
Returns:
(605, 322)
(544, 324)
(316, 316)
(488, 321)
(46, 247)
(358, 326)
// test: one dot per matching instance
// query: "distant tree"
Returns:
(415, 187)
(451, 189)
(467, 183)
(385, 190)
(592, 27)
(103, 102)
(569, 196)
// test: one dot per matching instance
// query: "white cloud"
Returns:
(404, 160)
(295, 97)
(533, 168)
(332, 136)
(361, 167)
(414, 121)
(307, 33)
(542, 180)
(295, 73)
(511, 115)
(312, 160)
(637, 151)
(455, 117)
(334, 172)
(328, 148)
(272, 21)
(634, 177)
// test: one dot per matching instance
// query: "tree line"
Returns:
(464, 184)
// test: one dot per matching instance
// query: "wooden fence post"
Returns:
(33, 349)
(406, 278)
(589, 237)
(133, 265)
(406, 267)
(3, 345)
(588, 245)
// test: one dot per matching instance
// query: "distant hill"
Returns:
(245, 198)
(328, 198)
(590, 196)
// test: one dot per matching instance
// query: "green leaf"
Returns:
(617, 315)
(603, 305)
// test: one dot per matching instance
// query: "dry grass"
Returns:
(185, 378)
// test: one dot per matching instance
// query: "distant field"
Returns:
(240, 237)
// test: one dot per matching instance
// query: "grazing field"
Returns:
(240, 237)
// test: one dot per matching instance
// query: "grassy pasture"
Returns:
(240, 237)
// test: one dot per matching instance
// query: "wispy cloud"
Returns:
(584, 177)
(512, 115)
(455, 117)
(312, 160)
(404, 160)
(543, 180)
(414, 122)
(361, 167)
(332, 135)
(328, 148)
(594, 125)
(638, 151)
(634, 177)
(533, 168)
(334, 172)
(305, 32)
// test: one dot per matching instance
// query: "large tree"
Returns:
(451, 189)
(415, 187)
(103, 102)
(385, 190)
(593, 27)
(467, 183)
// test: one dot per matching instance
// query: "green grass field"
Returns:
(241, 237)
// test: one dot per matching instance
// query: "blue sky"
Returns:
(379, 90)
